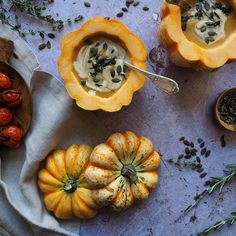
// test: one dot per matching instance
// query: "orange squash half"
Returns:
(186, 53)
(70, 45)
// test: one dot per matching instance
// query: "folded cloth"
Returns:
(56, 123)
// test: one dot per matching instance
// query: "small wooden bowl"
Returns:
(231, 127)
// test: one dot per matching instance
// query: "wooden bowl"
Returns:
(230, 127)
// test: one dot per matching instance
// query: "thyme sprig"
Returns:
(215, 183)
(31, 8)
(218, 225)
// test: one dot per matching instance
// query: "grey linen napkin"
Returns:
(56, 123)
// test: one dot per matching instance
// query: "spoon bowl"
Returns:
(163, 83)
(230, 127)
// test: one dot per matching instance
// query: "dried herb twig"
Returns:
(215, 183)
(231, 219)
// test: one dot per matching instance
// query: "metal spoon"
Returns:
(165, 84)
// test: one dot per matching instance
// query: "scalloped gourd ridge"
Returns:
(70, 45)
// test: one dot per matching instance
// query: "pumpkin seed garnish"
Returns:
(204, 8)
(115, 80)
(93, 52)
(96, 80)
(124, 9)
(105, 46)
(198, 159)
(118, 69)
(124, 69)
(186, 142)
(203, 28)
(206, 5)
(83, 83)
(212, 33)
(136, 4)
(112, 73)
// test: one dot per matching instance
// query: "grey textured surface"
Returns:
(164, 119)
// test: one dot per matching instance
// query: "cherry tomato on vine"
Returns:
(5, 82)
(11, 98)
(11, 136)
(5, 116)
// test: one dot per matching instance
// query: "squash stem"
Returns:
(129, 172)
(70, 186)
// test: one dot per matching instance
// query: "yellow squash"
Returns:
(122, 169)
(186, 53)
(114, 29)
(62, 182)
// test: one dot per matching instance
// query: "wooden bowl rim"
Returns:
(230, 127)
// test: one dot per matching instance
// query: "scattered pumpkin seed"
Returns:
(187, 151)
(146, 8)
(51, 35)
(78, 18)
(42, 46)
(120, 14)
(124, 9)
(203, 175)
(198, 159)
(203, 151)
(186, 142)
(212, 33)
(208, 153)
(48, 44)
(199, 140)
(202, 144)
(222, 141)
(200, 170)
(187, 156)
(87, 4)
(136, 4)
(41, 34)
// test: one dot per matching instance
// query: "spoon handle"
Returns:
(165, 84)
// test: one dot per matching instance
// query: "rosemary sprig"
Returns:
(215, 183)
(229, 220)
